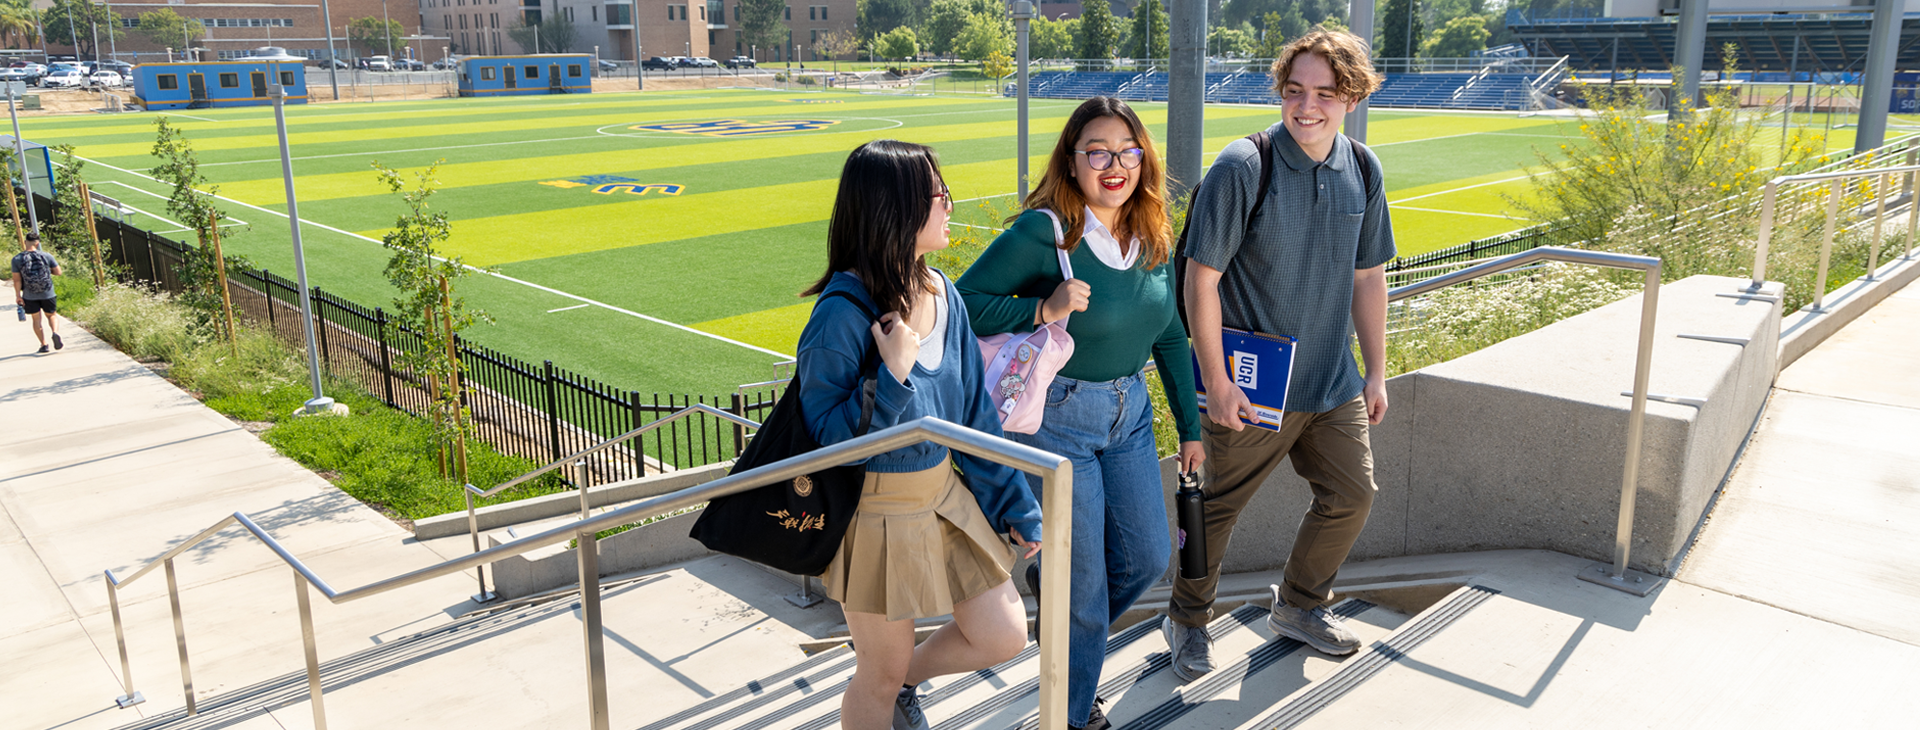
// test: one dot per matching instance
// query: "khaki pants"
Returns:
(1330, 450)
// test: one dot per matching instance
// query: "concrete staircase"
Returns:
(1254, 668)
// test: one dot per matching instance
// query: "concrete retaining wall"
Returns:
(1520, 445)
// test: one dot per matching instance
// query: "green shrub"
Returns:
(73, 291)
(807, 80)
(257, 363)
(143, 325)
(1460, 320)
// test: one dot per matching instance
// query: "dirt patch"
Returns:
(253, 427)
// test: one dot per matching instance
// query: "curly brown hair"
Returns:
(1353, 74)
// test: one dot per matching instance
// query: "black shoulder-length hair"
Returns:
(886, 195)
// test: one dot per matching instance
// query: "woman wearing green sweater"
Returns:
(1105, 188)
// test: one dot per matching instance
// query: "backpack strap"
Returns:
(1262, 141)
(1366, 169)
(869, 386)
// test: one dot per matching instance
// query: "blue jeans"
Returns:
(1120, 540)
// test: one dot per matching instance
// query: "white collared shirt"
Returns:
(1106, 248)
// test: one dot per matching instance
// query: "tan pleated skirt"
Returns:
(917, 545)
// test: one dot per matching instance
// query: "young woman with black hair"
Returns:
(924, 542)
(1102, 193)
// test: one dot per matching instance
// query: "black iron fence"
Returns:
(538, 411)
(1525, 239)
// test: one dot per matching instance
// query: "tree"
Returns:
(556, 35)
(189, 203)
(1052, 38)
(983, 36)
(428, 305)
(1150, 30)
(19, 23)
(1275, 36)
(1459, 38)
(898, 43)
(998, 65)
(1231, 41)
(837, 43)
(377, 37)
(879, 16)
(761, 23)
(946, 20)
(166, 29)
(1401, 30)
(69, 18)
(1098, 30)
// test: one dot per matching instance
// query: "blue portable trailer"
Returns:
(544, 73)
(215, 84)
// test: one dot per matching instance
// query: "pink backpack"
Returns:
(1021, 366)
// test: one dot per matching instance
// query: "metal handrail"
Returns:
(1837, 182)
(1055, 472)
(472, 492)
(1642, 370)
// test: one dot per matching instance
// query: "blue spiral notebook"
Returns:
(1262, 365)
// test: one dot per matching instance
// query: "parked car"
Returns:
(70, 78)
(120, 67)
(740, 62)
(14, 74)
(379, 63)
(333, 63)
(661, 63)
(443, 64)
(104, 78)
(701, 62)
(606, 65)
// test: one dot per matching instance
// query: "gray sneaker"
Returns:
(906, 711)
(1191, 649)
(1316, 627)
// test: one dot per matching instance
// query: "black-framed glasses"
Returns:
(1102, 159)
(945, 197)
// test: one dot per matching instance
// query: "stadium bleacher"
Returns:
(1452, 90)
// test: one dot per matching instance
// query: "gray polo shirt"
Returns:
(1290, 271)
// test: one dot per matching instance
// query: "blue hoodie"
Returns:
(832, 346)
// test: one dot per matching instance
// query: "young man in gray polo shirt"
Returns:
(1310, 265)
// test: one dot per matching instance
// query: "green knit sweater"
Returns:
(1130, 314)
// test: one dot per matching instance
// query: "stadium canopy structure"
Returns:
(1805, 42)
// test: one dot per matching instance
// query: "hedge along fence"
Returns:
(540, 412)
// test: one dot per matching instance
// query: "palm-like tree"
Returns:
(19, 22)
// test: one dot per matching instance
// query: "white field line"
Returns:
(563, 309)
(484, 272)
(1458, 212)
(189, 116)
(1468, 187)
(236, 221)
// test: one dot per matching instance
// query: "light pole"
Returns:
(386, 29)
(1022, 18)
(20, 153)
(320, 403)
(333, 57)
(113, 49)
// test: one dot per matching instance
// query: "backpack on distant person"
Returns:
(36, 272)
(1263, 142)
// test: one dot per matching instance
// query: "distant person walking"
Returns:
(1103, 193)
(33, 272)
(1309, 264)
(924, 542)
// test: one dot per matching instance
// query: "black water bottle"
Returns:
(1190, 507)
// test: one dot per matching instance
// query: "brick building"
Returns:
(665, 27)
(236, 28)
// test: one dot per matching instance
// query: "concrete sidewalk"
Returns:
(104, 464)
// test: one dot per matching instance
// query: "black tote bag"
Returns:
(796, 525)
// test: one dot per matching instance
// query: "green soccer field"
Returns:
(657, 241)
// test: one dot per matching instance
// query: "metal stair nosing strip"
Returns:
(1355, 672)
(1115, 643)
(249, 701)
(1123, 679)
(777, 681)
(1220, 680)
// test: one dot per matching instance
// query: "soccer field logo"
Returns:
(739, 127)
(610, 184)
